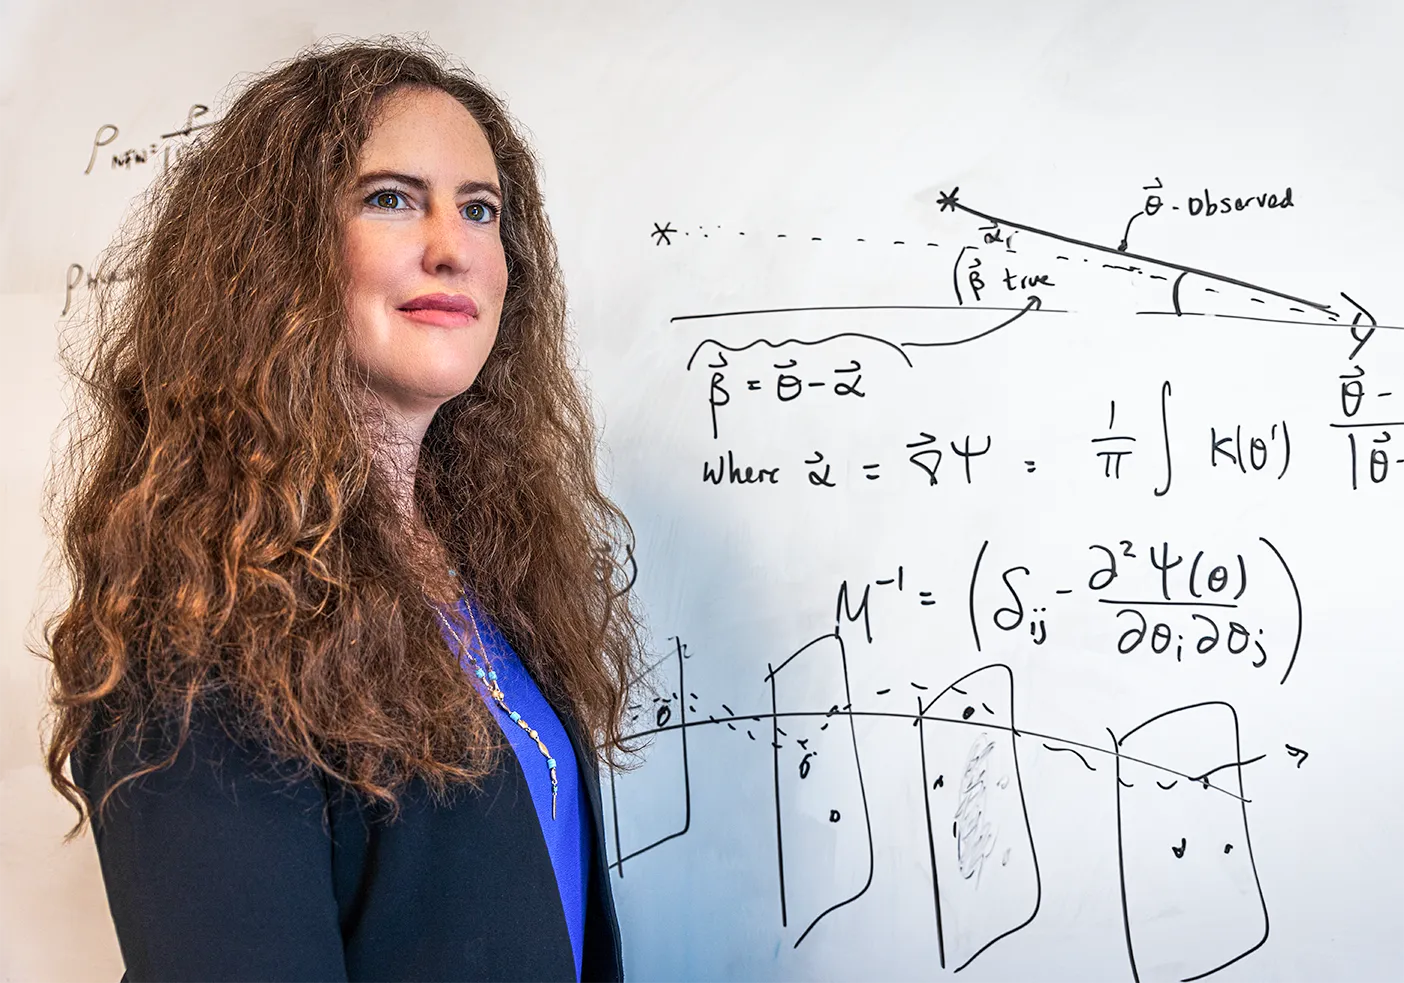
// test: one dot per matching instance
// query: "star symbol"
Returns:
(660, 234)
(949, 200)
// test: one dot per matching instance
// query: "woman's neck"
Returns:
(397, 457)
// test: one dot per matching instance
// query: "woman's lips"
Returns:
(439, 318)
(442, 310)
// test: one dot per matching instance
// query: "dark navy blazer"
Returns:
(216, 869)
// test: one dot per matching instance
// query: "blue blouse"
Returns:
(567, 835)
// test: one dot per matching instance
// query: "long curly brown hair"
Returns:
(224, 528)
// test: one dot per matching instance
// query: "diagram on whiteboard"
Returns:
(983, 858)
(1049, 637)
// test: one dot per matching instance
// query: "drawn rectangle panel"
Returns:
(823, 831)
(1191, 897)
(660, 809)
(985, 870)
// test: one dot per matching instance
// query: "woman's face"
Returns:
(427, 272)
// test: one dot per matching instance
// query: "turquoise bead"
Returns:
(492, 675)
(481, 674)
(550, 762)
(516, 716)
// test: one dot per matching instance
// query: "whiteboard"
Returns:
(1009, 404)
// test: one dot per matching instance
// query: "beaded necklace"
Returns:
(488, 675)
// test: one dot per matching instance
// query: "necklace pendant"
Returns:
(488, 676)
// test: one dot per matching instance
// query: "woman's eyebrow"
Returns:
(419, 184)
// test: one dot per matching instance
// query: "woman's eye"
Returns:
(479, 211)
(386, 199)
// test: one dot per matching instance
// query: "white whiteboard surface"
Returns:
(906, 724)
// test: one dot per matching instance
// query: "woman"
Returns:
(333, 531)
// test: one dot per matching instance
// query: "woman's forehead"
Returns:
(427, 124)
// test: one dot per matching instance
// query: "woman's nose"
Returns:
(447, 240)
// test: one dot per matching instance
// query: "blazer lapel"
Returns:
(603, 958)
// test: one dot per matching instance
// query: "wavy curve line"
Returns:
(794, 341)
(1034, 304)
(1072, 751)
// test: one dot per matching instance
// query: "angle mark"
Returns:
(1174, 292)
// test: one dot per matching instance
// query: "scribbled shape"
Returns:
(823, 831)
(666, 798)
(1191, 899)
(986, 884)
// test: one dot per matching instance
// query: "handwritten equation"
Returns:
(161, 151)
(159, 154)
(1190, 601)
(1260, 448)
